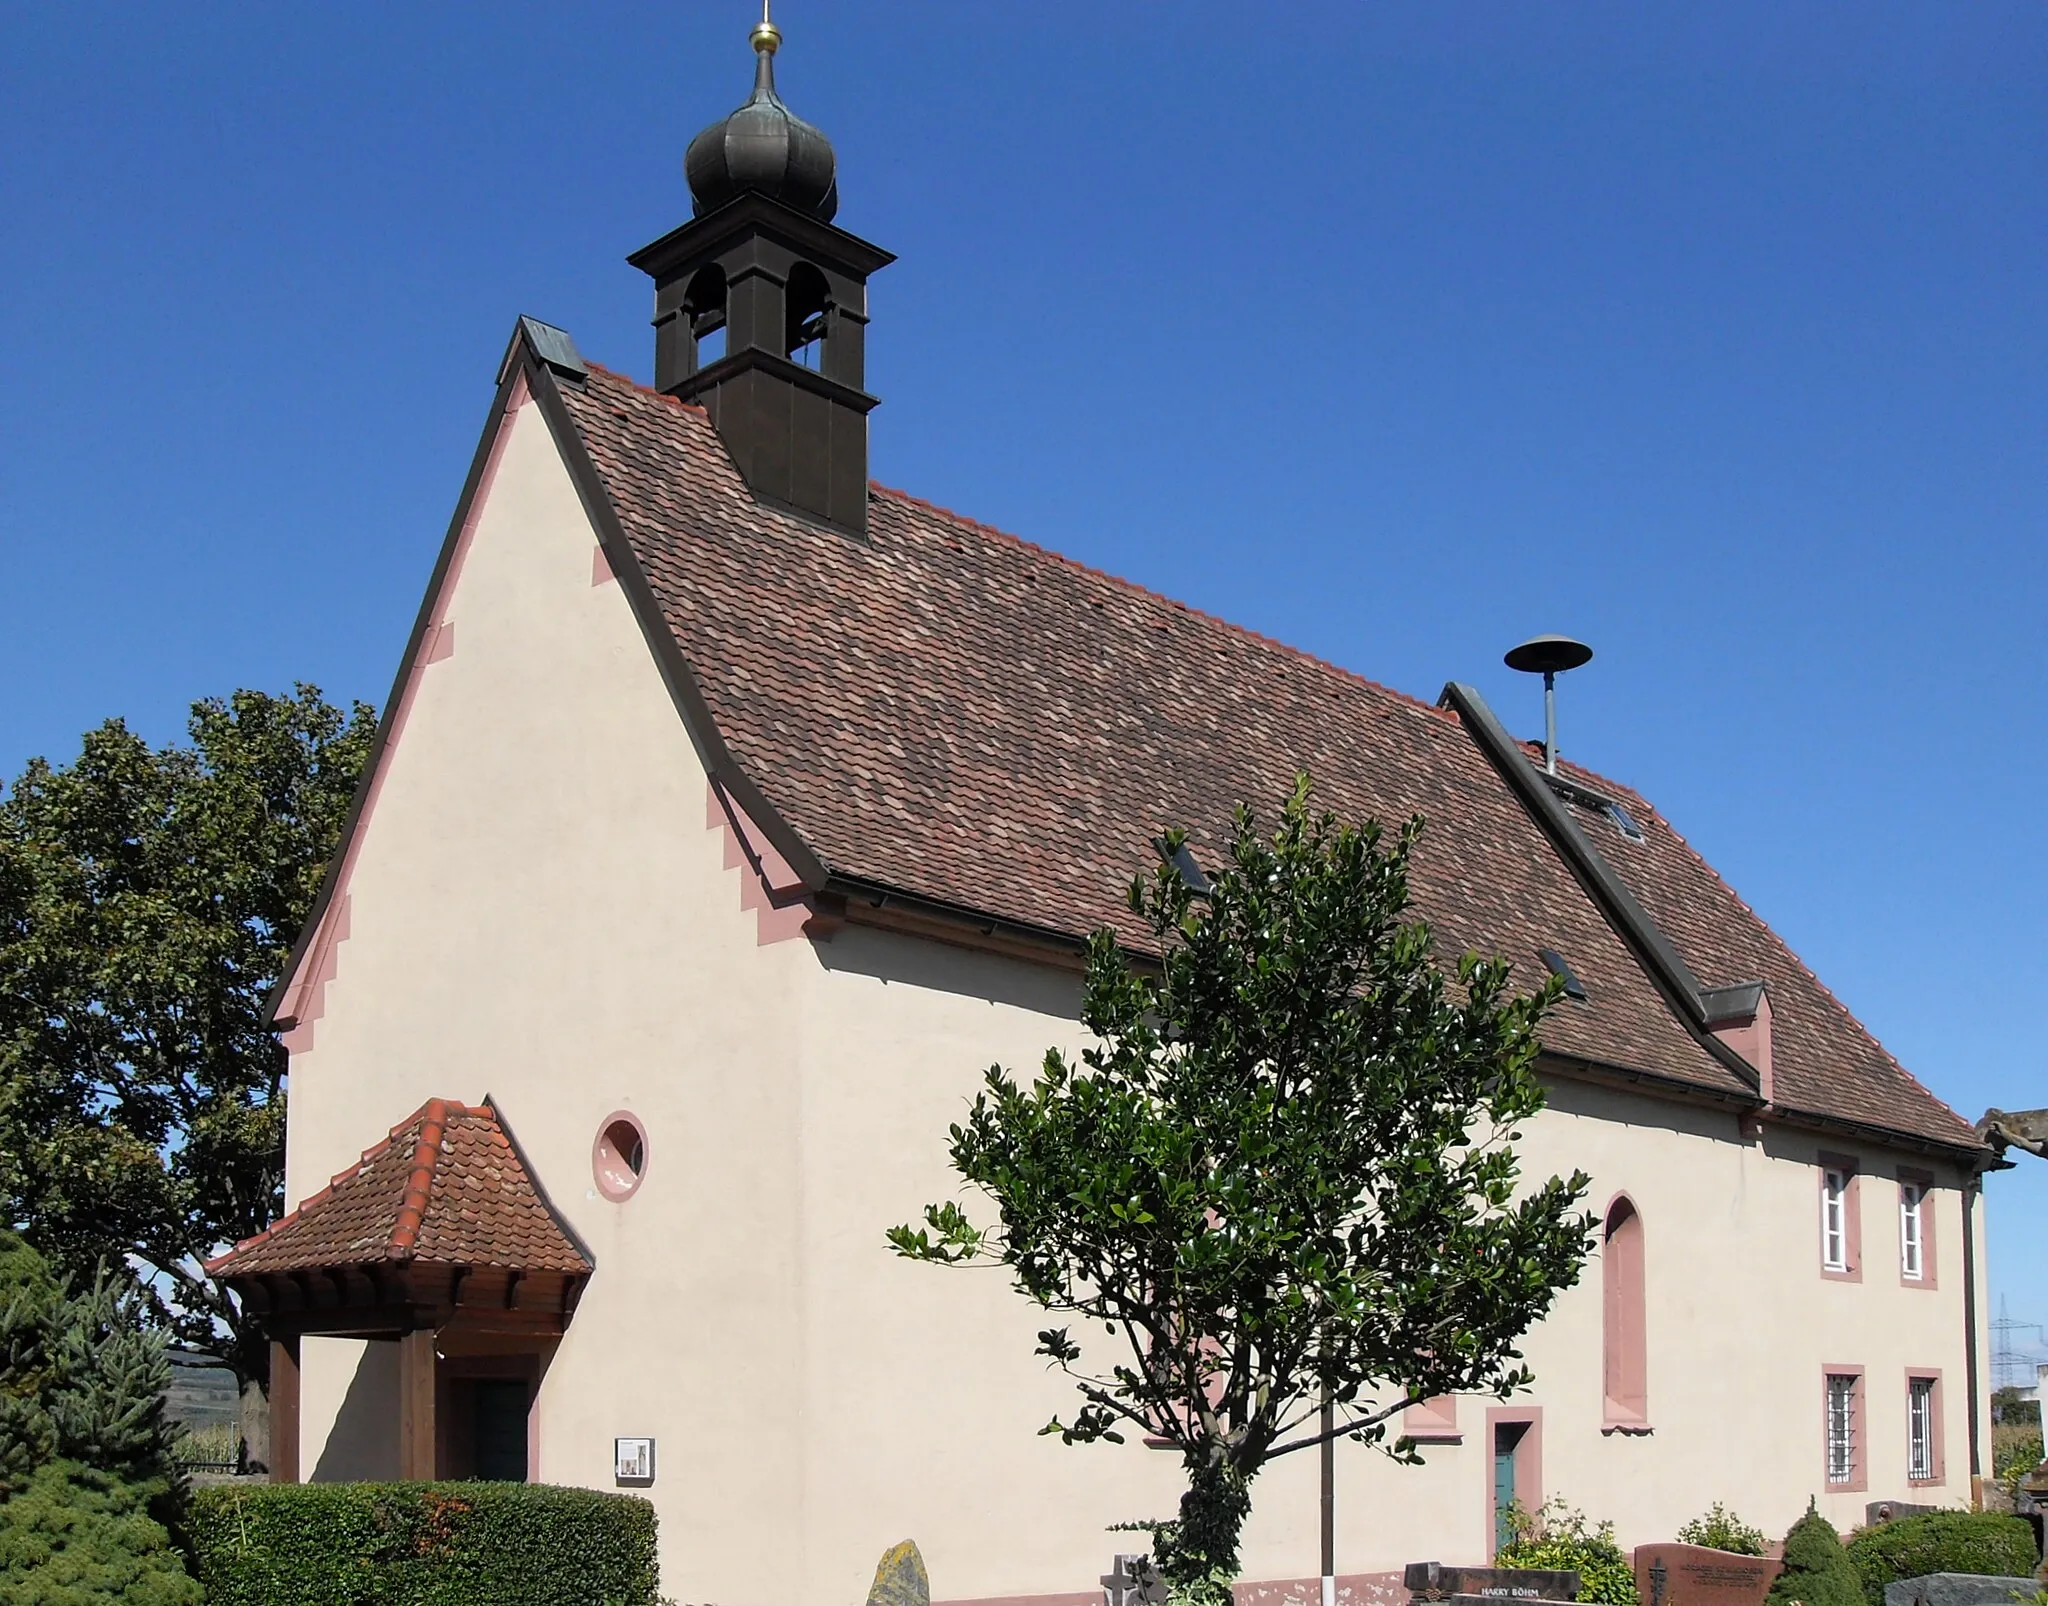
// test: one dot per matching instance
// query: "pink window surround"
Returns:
(1625, 1361)
(1859, 1429)
(1924, 1181)
(621, 1141)
(1848, 1230)
(1433, 1421)
(1938, 1470)
(1528, 1462)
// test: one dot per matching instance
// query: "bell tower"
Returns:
(760, 305)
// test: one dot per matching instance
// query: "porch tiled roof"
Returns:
(951, 712)
(445, 1187)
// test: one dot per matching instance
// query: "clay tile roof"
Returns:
(954, 713)
(445, 1187)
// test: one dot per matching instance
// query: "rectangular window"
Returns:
(1912, 1231)
(1920, 1429)
(1834, 1219)
(1842, 1427)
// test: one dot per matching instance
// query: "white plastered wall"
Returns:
(538, 912)
(924, 1396)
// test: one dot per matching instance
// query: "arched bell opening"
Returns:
(807, 316)
(704, 312)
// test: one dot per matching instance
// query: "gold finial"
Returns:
(766, 37)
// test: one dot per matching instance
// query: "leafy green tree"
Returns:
(1283, 1175)
(1818, 1571)
(148, 897)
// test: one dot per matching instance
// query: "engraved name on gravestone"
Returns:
(1432, 1581)
(1692, 1575)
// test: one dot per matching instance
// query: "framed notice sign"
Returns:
(634, 1460)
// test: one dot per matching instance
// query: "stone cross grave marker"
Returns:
(1133, 1582)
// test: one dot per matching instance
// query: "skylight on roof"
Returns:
(1624, 822)
(1182, 858)
(1554, 962)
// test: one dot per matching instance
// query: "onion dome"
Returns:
(763, 148)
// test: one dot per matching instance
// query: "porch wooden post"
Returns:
(416, 1405)
(284, 1410)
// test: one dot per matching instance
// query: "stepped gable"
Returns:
(1826, 1062)
(446, 1187)
(950, 712)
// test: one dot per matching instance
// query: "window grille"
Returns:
(1920, 1429)
(1912, 1232)
(1841, 1427)
(1834, 1219)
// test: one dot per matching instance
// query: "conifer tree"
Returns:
(1818, 1571)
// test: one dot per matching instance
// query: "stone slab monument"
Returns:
(1959, 1589)
(1430, 1582)
(1693, 1575)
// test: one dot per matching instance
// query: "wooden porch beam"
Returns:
(284, 1410)
(416, 1440)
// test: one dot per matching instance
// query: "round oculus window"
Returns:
(618, 1159)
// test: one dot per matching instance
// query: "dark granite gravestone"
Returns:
(1430, 1581)
(1959, 1589)
(1693, 1575)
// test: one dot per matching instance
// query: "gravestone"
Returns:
(1693, 1575)
(1133, 1582)
(900, 1578)
(1431, 1581)
(1878, 1511)
(1959, 1589)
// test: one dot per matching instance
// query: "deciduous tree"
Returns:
(148, 897)
(1284, 1174)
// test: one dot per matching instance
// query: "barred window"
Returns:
(1841, 1427)
(1920, 1429)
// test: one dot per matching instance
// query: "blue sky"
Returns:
(1717, 335)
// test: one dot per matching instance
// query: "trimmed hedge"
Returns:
(1942, 1542)
(421, 1544)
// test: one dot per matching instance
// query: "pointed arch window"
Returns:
(1625, 1347)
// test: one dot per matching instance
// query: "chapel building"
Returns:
(731, 813)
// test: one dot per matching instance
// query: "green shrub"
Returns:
(2015, 1450)
(76, 1537)
(421, 1544)
(1818, 1571)
(1556, 1537)
(1942, 1542)
(1721, 1529)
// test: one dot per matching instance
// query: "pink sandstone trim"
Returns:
(769, 888)
(1752, 1040)
(1625, 1361)
(430, 651)
(1935, 1427)
(1859, 1429)
(1929, 1279)
(1433, 1421)
(308, 999)
(1852, 1216)
(1528, 1462)
(600, 568)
